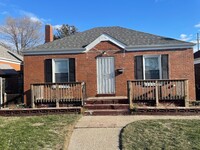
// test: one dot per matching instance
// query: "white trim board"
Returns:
(10, 61)
(129, 49)
(158, 47)
(104, 37)
(54, 51)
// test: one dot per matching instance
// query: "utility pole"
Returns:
(197, 41)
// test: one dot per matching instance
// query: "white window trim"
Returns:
(53, 67)
(159, 64)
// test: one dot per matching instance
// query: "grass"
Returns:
(38, 132)
(161, 134)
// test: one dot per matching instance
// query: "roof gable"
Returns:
(104, 37)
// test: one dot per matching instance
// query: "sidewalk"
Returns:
(102, 132)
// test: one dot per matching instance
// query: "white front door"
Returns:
(105, 75)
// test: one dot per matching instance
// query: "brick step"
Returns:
(106, 101)
(106, 106)
(107, 112)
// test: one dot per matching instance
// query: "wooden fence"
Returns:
(57, 92)
(157, 90)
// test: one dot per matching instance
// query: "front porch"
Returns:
(151, 94)
(58, 94)
(158, 93)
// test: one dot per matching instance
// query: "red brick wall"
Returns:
(180, 67)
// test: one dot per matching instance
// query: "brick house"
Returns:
(10, 75)
(105, 58)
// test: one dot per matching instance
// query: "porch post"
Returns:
(130, 94)
(83, 93)
(57, 97)
(186, 94)
(32, 97)
(5, 100)
(157, 99)
(57, 103)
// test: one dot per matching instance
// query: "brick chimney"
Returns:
(48, 33)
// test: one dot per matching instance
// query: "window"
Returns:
(61, 70)
(152, 67)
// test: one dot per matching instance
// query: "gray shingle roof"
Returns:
(126, 36)
(9, 55)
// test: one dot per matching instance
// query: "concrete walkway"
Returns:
(102, 132)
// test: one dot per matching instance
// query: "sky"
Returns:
(178, 19)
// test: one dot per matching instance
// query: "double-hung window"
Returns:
(152, 67)
(60, 70)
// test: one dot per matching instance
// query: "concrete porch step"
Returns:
(110, 112)
(106, 106)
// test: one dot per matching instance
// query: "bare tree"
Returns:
(21, 33)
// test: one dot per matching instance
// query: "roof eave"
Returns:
(159, 47)
(10, 60)
(54, 51)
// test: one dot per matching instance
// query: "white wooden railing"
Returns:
(57, 92)
(157, 90)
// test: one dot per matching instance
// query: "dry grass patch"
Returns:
(38, 132)
(161, 134)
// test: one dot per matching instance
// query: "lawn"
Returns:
(38, 132)
(161, 134)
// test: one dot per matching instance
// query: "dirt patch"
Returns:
(68, 135)
(37, 124)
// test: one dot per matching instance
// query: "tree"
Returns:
(20, 33)
(65, 30)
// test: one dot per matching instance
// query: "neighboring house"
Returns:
(105, 58)
(197, 73)
(11, 75)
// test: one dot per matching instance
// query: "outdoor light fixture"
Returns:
(121, 70)
(104, 52)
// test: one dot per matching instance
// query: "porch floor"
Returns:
(107, 97)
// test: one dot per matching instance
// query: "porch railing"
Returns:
(158, 90)
(57, 92)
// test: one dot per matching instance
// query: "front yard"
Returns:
(38, 132)
(161, 134)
